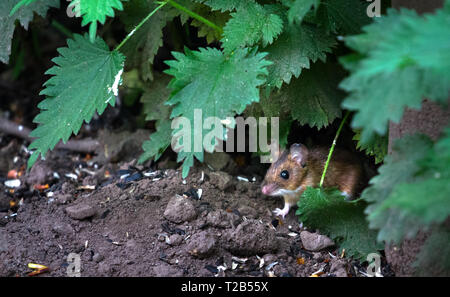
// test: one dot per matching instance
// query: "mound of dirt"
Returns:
(128, 221)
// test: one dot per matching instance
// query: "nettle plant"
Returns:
(274, 58)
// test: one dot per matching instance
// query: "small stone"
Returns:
(179, 210)
(174, 240)
(80, 211)
(270, 258)
(201, 244)
(63, 229)
(248, 212)
(338, 268)
(251, 238)
(63, 199)
(317, 256)
(222, 219)
(98, 258)
(221, 180)
(315, 242)
(39, 174)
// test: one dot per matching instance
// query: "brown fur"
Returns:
(344, 171)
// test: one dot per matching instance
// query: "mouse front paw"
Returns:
(281, 212)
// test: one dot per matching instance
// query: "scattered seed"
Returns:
(261, 261)
(88, 171)
(86, 187)
(193, 193)
(71, 176)
(240, 178)
(239, 260)
(134, 177)
(13, 183)
(300, 261)
(271, 265)
(212, 268)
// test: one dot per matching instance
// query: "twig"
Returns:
(81, 146)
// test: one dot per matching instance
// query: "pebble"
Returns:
(201, 244)
(315, 242)
(221, 180)
(80, 211)
(338, 268)
(174, 239)
(222, 219)
(251, 238)
(98, 258)
(180, 209)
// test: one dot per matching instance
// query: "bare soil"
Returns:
(147, 221)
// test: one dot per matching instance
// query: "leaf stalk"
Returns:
(195, 16)
(332, 148)
(161, 4)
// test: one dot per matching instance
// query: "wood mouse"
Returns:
(299, 167)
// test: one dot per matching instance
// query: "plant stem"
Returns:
(196, 16)
(140, 25)
(332, 148)
(61, 28)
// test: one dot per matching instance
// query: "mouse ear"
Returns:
(299, 154)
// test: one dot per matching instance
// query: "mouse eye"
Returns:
(284, 174)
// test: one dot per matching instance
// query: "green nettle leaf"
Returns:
(143, 46)
(85, 80)
(387, 76)
(294, 50)
(216, 84)
(225, 5)
(398, 169)
(299, 8)
(94, 11)
(426, 198)
(434, 256)
(376, 147)
(250, 25)
(24, 14)
(154, 99)
(345, 17)
(313, 98)
(343, 221)
(158, 143)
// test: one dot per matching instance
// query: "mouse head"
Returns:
(285, 175)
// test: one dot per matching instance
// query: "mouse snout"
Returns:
(268, 189)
